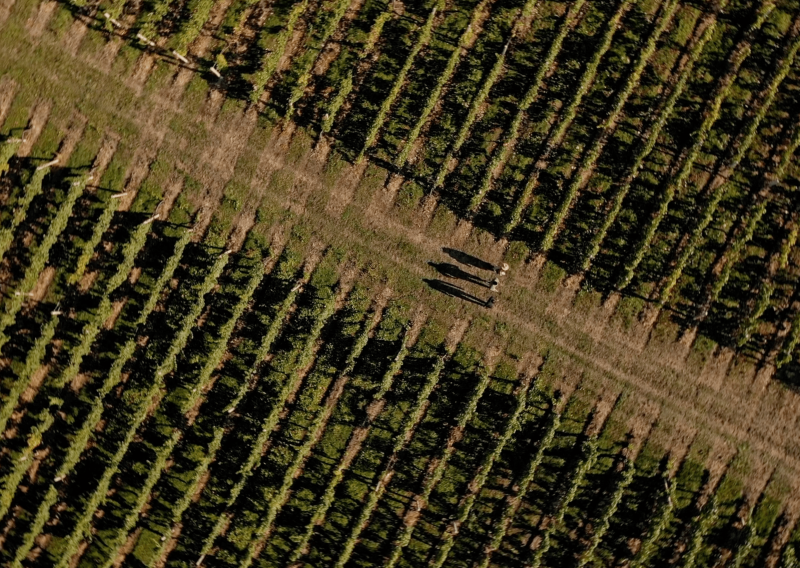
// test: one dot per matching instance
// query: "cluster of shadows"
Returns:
(452, 271)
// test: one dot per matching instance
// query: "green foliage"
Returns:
(767, 288)
(510, 507)
(29, 193)
(190, 29)
(589, 159)
(279, 497)
(152, 16)
(511, 135)
(24, 371)
(750, 131)
(83, 433)
(319, 313)
(478, 100)
(438, 88)
(661, 519)
(702, 526)
(187, 397)
(343, 89)
(399, 81)
(330, 22)
(590, 454)
(99, 229)
(7, 151)
(400, 441)
(433, 477)
(481, 476)
(600, 528)
(40, 258)
(137, 410)
(269, 64)
(699, 137)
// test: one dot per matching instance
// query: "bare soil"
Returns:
(37, 378)
(8, 88)
(40, 289)
(74, 36)
(38, 22)
(342, 191)
(39, 116)
(5, 12)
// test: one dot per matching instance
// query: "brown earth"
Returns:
(38, 118)
(38, 21)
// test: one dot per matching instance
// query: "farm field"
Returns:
(243, 264)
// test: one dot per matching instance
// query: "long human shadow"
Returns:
(468, 259)
(453, 271)
(453, 290)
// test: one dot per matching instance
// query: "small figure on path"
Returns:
(502, 269)
(490, 302)
(493, 287)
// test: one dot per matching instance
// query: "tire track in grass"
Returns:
(39, 116)
(37, 23)
(5, 10)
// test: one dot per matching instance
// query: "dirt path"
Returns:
(5, 10)
(342, 191)
(231, 136)
(39, 115)
(709, 400)
(77, 31)
(38, 21)
(138, 170)
(8, 88)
